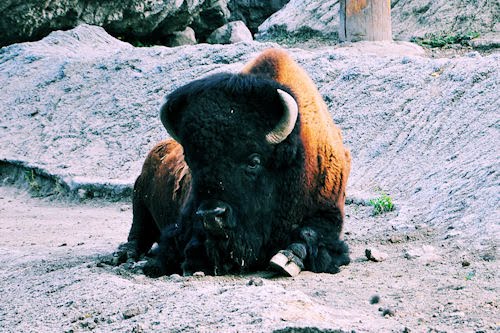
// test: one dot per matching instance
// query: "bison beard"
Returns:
(256, 175)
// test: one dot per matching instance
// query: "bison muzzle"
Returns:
(255, 174)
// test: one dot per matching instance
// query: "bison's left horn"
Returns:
(165, 121)
(287, 122)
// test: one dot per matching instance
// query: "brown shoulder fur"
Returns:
(166, 177)
(328, 163)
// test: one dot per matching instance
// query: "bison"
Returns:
(254, 175)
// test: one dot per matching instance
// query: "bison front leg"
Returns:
(317, 247)
(143, 234)
(166, 258)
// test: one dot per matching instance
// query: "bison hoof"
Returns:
(153, 269)
(115, 259)
(286, 263)
(126, 252)
(119, 257)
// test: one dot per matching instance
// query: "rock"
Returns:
(258, 282)
(185, 37)
(217, 13)
(138, 329)
(82, 193)
(375, 299)
(88, 325)
(387, 312)
(375, 255)
(425, 254)
(134, 20)
(230, 33)
(176, 277)
(213, 14)
(254, 12)
(132, 312)
(31, 19)
(488, 256)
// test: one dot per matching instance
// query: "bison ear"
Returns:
(167, 111)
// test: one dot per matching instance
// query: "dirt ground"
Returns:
(52, 280)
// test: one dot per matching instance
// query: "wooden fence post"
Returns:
(365, 20)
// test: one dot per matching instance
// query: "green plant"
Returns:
(434, 40)
(381, 204)
(32, 181)
(58, 189)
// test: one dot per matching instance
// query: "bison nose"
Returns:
(213, 213)
(215, 217)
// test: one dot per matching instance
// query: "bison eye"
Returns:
(253, 162)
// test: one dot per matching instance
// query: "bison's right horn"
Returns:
(165, 121)
(287, 122)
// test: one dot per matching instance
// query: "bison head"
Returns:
(240, 136)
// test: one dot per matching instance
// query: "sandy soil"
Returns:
(52, 280)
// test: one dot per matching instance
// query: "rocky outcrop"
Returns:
(410, 18)
(230, 33)
(147, 21)
(135, 19)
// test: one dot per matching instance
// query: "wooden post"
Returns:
(365, 20)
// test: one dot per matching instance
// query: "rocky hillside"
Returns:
(82, 107)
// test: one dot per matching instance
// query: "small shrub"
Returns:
(434, 40)
(382, 204)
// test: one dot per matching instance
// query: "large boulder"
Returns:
(230, 33)
(23, 20)
(254, 12)
(184, 37)
(152, 21)
(410, 18)
(213, 15)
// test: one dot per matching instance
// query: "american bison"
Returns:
(255, 175)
